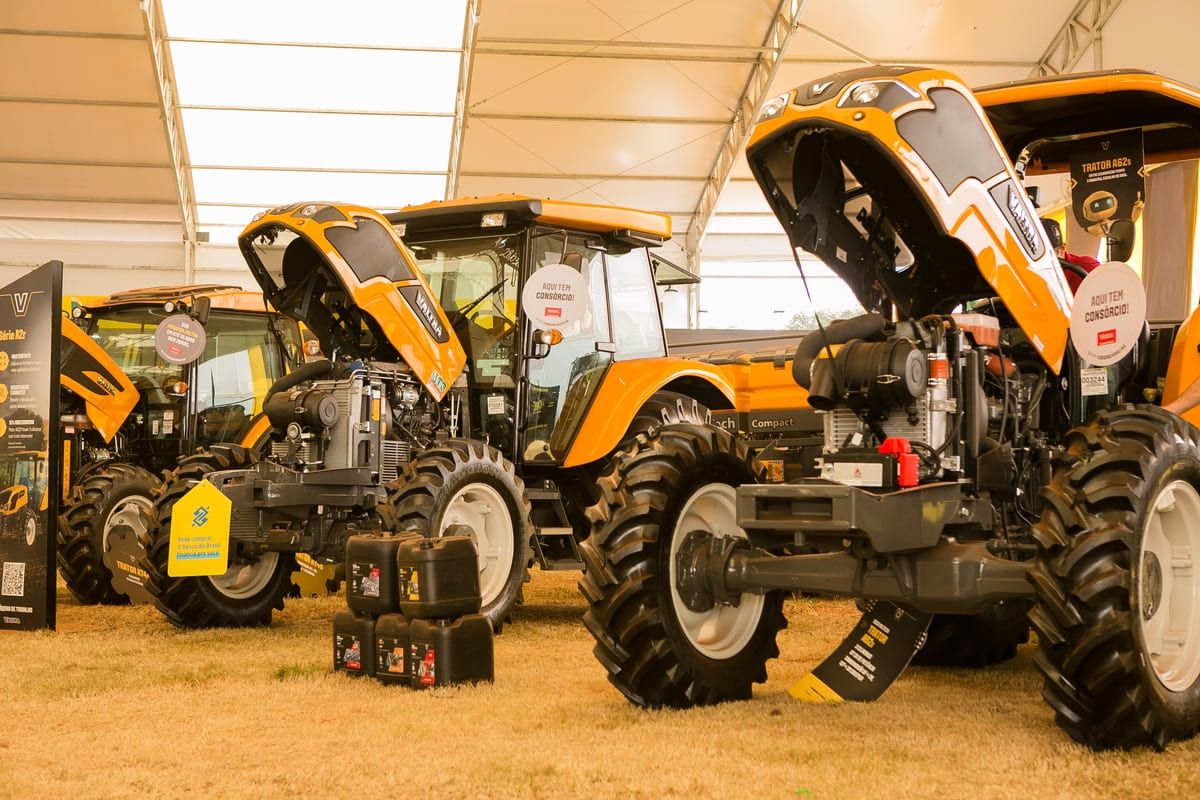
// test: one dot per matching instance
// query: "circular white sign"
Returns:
(1108, 314)
(179, 339)
(555, 295)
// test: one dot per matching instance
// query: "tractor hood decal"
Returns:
(895, 180)
(344, 273)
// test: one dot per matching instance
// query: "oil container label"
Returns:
(426, 670)
(349, 651)
(364, 579)
(409, 579)
(391, 657)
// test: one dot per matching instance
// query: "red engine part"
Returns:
(908, 463)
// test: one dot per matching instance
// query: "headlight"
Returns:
(774, 107)
(309, 210)
(884, 95)
(867, 93)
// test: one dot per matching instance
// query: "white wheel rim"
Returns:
(1169, 593)
(30, 530)
(125, 512)
(242, 581)
(480, 507)
(723, 631)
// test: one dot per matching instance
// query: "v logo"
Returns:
(20, 301)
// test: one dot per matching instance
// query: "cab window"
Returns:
(636, 322)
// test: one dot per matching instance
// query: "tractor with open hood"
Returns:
(980, 454)
(486, 357)
(131, 407)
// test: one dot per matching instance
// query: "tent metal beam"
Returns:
(354, 112)
(160, 59)
(629, 44)
(568, 52)
(466, 71)
(128, 37)
(58, 198)
(81, 101)
(784, 23)
(313, 45)
(45, 162)
(1082, 28)
(580, 176)
(103, 220)
(317, 170)
(630, 118)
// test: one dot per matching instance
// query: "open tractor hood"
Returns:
(894, 178)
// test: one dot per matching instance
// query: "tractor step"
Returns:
(551, 544)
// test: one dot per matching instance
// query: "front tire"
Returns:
(658, 653)
(83, 528)
(469, 483)
(245, 595)
(1118, 586)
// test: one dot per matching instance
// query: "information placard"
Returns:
(1108, 314)
(30, 447)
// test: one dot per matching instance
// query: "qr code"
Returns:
(13, 583)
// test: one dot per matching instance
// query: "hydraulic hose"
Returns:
(837, 332)
(310, 371)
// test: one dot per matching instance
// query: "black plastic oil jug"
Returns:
(448, 651)
(392, 649)
(438, 578)
(371, 571)
(354, 643)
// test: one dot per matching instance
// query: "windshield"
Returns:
(127, 335)
(475, 281)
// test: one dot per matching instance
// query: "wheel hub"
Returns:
(1152, 585)
(245, 579)
(707, 520)
(123, 544)
(480, 507)
(1168, 586)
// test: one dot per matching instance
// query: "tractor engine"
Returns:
(343, 430)
(371, 416)
(925, 400)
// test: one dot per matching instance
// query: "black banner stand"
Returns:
(30, 447)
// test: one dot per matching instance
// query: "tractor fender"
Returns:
(256, 435)
(1184, 366)
(625, 389)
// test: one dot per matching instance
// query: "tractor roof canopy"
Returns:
(1040, 118)
(626, 224)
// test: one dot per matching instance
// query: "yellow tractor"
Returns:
(987, 443)
(487, 357)
(25, 494)
(129, 413)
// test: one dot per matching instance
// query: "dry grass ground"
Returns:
(118, 703)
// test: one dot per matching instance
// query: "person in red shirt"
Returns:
(1085, 263)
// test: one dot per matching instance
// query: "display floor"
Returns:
(119, 703)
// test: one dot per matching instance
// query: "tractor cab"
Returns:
(185, 400)
(544, 295)
(1084, 129)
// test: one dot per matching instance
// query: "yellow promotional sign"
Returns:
(199, 533)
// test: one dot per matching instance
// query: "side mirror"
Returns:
(543, 340)
(200, 308)
(1121, 236)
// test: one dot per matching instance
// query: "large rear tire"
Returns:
(105, 491)
(469, 483)
(1118, 586)
(248, 591)
(658, 653)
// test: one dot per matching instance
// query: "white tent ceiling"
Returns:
(629, 102)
